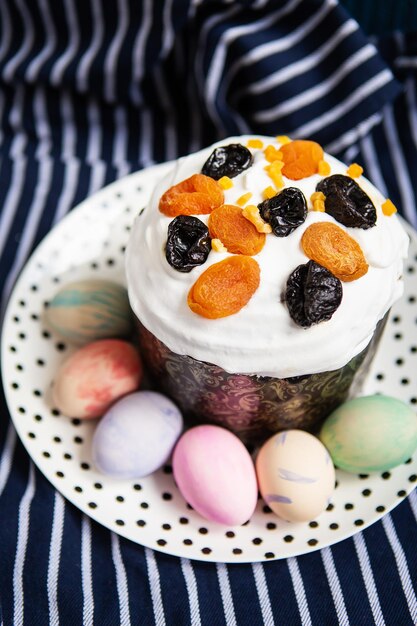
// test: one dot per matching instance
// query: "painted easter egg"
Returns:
(95, 376)
(295, 474)
(215, 474)
(370, 434)
(88, 310)
(136, 435)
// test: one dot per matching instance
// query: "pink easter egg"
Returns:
(95, 376)
(215, 474)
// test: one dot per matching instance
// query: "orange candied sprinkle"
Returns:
(301, 158)
(275, 173)
(255, 143)
(217, 246)
(283, 139)
(244, 199)
(324, 168)
(317, 200)
(225, 182)
(234, 231)
(272, 154)
(269, 192)
(225, 287)
(251, 212)
(354, 170)
(388, 207)
(196, 195)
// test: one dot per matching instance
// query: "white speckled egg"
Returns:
(215, 474)
(295, 474)
(88, 310)
(370, 434)
(136, 436)
(95, 376)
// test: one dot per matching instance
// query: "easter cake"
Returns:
(261, 274)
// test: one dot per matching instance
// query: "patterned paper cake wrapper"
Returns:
(253, 407)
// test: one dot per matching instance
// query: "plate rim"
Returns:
(74, 215)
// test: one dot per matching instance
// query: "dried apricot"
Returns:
(225, 287)
(331, 246)
(301, 158)
(234, 231)
(196, 195)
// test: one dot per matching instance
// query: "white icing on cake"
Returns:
(261, 338)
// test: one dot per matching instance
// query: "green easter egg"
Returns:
(88, 310)
(370, 434)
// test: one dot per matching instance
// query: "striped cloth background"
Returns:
(91, 90)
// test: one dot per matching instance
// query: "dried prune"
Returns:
(347, 202)
(312, 294)
(285, 211)
(228, 161)
(188, 243)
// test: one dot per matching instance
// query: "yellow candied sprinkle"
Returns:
(217, 246)
(272, 154)
(324, 168)
(283, 139)
(354, 170)
(274, 172)
(317, 200)
(244, 199)
(269, 192)
(388, 207)
(251, 212)
(255, 143)
(225, 182)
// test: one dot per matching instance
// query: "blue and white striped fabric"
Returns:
(93, 89)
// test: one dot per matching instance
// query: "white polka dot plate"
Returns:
(89, 243)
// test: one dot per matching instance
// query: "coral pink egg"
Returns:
(95, 376)
(215, 474)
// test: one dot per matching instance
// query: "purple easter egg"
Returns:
(137, 435)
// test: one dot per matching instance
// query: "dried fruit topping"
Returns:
(317, 200)
(255, 143)
(228, 160)
(283, 139)
(217, 246)
(234, 231)
(251, 213)
(188, 243)
(225, 287)
(275, 173)
(331, 246)
(193, 196)
(347, 202)
(268, 192)
(388, 207)
(244, 199)
(272, 154)
(312, 294)
(301, 158)
(354, 170)
(285, 211)
(324, 168)
(225, 182)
